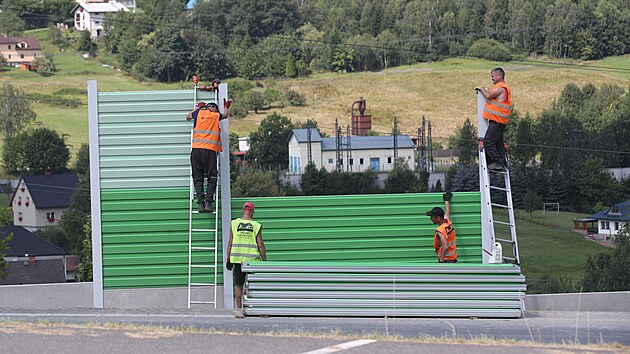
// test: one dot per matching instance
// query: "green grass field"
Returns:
(548, 246)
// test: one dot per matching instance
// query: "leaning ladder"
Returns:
(197, 237)
(487, 210)
(490, 225)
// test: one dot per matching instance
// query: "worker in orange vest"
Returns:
(444, 241)
(497, 111)
(206, 142)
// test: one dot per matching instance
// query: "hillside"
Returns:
(442, 91)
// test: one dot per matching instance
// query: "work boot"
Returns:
(209, 208)
(201, 208)
(495, 167)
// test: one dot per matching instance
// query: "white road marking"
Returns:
(342, 346)
(14, 314)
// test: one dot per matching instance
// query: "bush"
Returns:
(293, 98)
(489, 49)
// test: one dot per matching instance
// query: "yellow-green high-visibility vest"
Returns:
(244, 246)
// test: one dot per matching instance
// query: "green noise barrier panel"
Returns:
(367, 228)
(383, 289)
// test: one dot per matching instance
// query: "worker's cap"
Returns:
(437, 211)
(248, 205)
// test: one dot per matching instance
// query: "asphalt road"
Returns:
(55, 337)
(541, 327)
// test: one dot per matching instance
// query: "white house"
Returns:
(360, 152)
(611, 220)
(89, 16)
(40, 201)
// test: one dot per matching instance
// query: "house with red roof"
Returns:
(20, 50)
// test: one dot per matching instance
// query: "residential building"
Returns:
(358, 153)
(90, 16)
(20, 50)
(611, 220)
(31, 259)
(40, 201)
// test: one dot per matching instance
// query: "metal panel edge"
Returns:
(95, 194)
(226, 208)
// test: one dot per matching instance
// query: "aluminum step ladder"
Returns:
(202, 231)
(498, 216)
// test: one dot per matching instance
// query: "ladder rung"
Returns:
(501, 206)
(203, 248)
(202, 302)
(202, 266)
(203, 230)
(503, 240)
(503, 223)
(202, 284)
(509, 258)
(500, 188)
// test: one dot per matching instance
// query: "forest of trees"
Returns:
(164, 41)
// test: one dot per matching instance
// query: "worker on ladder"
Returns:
(497, 111)
(206, 142)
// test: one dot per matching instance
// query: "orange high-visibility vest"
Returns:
(206, 133)
(499, 111)
(447, 230)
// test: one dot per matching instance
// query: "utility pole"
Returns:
(309, 152)
(339, 161)
(395, 131)
(430, 147)
(349, 147)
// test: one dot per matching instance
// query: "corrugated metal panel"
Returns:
(144, 138)
(370, 228)
(145, 238)
(381, 289)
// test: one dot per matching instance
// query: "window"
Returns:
(19, 201)
(351, 162)
(34, 55)
(361, 161)
(20, 217)
(330, 160)
(21, 56)
(605, 225)
(616, 225)
(389, 160)
(28, 201)
(10, 56)
(50, 216)
(9, 46)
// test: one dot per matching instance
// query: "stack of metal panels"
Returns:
(383, 289)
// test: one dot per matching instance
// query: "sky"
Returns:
(191, 3)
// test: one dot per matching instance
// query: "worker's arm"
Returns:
(226, 107)
(228, 264)
(493, 93)
(447, 204)
(189, 117)
(261, 246)
(443, 245)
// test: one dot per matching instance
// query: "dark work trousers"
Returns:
(203, 163)
(493, 143)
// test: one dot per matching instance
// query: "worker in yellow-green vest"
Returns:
(245, 244)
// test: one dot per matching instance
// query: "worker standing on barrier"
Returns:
(246, 244)
(444, 239)
(206, 143)
(497, 111)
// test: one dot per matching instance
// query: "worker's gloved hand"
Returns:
(447, 196)
(228, 266)
(227, 104)
(201, 105)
